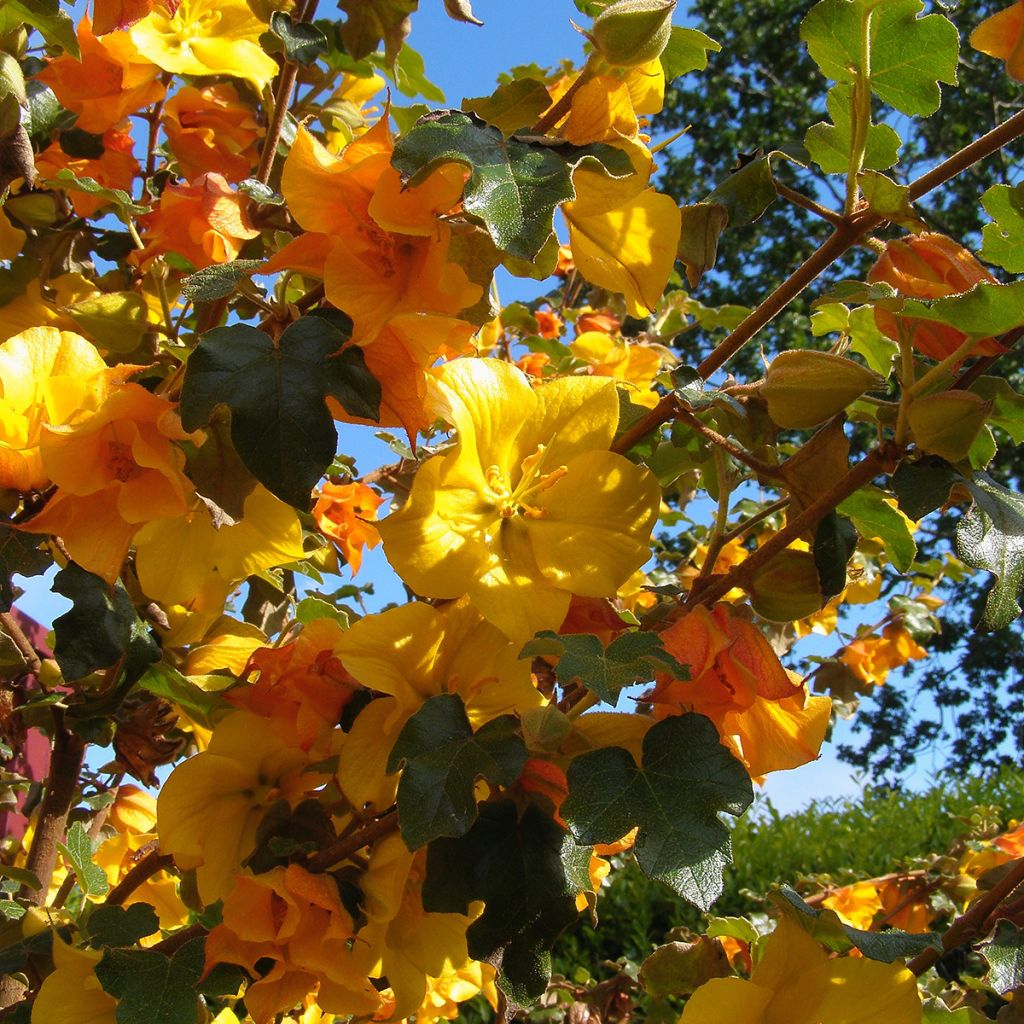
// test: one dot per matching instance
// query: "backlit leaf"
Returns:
(875, 517)
(78, 851)
(1003, 240)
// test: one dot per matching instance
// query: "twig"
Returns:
(799, 199)
(964, 928)
(555, 113)
(343, 848)
(722, 442)
(757, 517)
(25, 648)
(173, 943)
(664, 411)
(877, 461)
(142, 872)
(978, 368)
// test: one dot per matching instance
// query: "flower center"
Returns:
(532, 482)
(121, 462)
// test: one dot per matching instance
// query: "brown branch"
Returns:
(345, 847)
(757, 517)
(978, 368)
(25, 648)
(664, 411)
(970, 924)
(555, 113)
(739, 454)
(62, 785)
(799, 199)
(879, 460)
(282, 100)
(142, 872)
(989, 143)
(174, 942)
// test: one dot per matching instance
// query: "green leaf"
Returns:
(1005, 956)
(78, 852)
(831, 145)
(1007, 405)
(746, 193)
(1003, 240)
(835, 540)
(54, 24)
(121, 926)
(116, 321)
(868, 341)
(909, 55)
(303, 42)
(984, 311)
(678, 797)
(20, 875)
(101, 628)
(309, 609)
(46, 115)
(680, 968)
(369, 23)
(163, 681)
(152, 988)
(408, 73)
(280, 424)
(630, 658)
(217, 281)
(19, 553)
(259, 193)
(514, 184)
(990, 536)
(936, 1012)
(513, 106)
(826, 927)
(923, 486)
(514, 864)
(441, 759)
(874, 517)
(67, 180)
(687, 51)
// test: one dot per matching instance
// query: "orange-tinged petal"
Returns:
(414, 211)
(1002, 35)
(305, 253)
(602, 110)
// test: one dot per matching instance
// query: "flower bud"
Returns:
(929, 266)
(787, 588)
(804, 388)
(947, 424)
(631, 32)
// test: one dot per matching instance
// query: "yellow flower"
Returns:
(210, 806)
(529, 507)
(794, 982)
(72, 993)
(206, 37)
(608, 356)
(856, 904)
(873, 657)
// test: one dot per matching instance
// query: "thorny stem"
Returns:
(337, 852)
(965, 927)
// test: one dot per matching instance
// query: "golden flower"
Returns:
(1002, 35)
(211, 129)
(206, 37)
(856, 904)
(111, 81)
(873, 657)
(343, 512)
(72, 994)
(205, 221)
(609, 356)
(530, 506)
(116, 168)
(929, 266)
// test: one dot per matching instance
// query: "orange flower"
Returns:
(598, 320)
(297, 920)
(1002, 36)
(343, 513)
(873, 657)
(533, 363)
(549, 324)
(211, 129)
(565, 264)
(301, 687)
(111, 81)
(856, 904)
(116, 168)
(114, 471)
(205, 221)
(737, 681)
(929, 266)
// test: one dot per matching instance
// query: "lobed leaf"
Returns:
(152, 988)
(1003, 240)
(875, 517)
(78, 851)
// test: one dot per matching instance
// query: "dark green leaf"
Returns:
(81, 145)
(441, 759)
(217, 281)
(687, 51)
(46, 115)
(514, 184)
(990, 536)
(151, 988)
(280, 424)
(53, 23)
(19, 553)
(14, 957)
(303, 42)
(22, 876)
(121, 926)
(835, 540)
(923, 486)
(630, 658)
(678, 797)
(514, 864)
(1005, 956)
(101, 628)
(1003, 241)
(875, 517)
(78, 852)
(746, 193)
(826, 927)
(909, 55)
